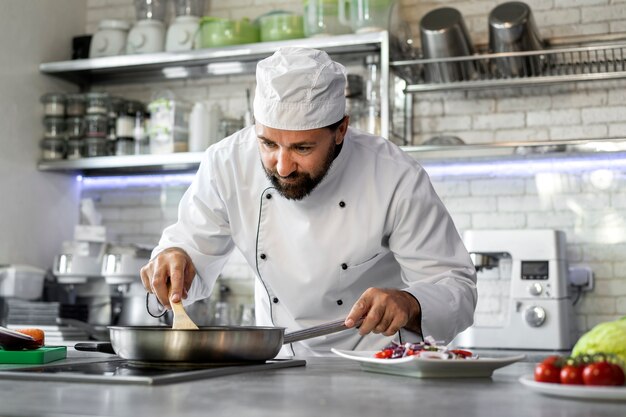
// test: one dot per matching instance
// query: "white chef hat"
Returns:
(299, 89)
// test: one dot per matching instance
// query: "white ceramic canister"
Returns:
(110, 39)
(146, 36)
(182, 34)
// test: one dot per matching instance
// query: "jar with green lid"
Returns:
(53, 104)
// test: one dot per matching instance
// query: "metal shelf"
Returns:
(185, 162)
(237, 59)
(516, 69)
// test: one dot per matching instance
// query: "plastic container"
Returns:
(21, 281)
(223, 32)
(96, 103)
(96, 125)
(280, 26)
(75, 148)
(75, 105)
(75, 127)
(54, 127)
(52, 149)
(95, 146)
(53, 104)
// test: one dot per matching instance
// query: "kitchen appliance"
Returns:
(523, 290)
(365, 15)
(116, 371)
(110, 39)
(148, 33)
(183, 31)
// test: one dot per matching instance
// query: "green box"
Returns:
(36, 356)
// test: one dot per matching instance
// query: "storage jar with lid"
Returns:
(52, 149)
(96, 125)
(115, 105)
(125, 123)
(97, 103)
(54, 127)
(75, 127)
(75, 148)
(95, 146)
(281, 25)
(53, 104)
(110, 39)
(75, 105)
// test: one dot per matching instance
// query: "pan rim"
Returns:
(220, 328)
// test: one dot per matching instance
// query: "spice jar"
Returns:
(75, 127)
(96, 125)
(96, 103)
(95, 146)
(54, 127)
(114, 107)
(52, 149)
(125, 122)
(75, 148)
(53, 104)
(75, 105)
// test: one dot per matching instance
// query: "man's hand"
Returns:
(385, 311)
(173, 265)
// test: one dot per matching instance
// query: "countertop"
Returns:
(327, 386)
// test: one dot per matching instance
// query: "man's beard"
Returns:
(300, 184)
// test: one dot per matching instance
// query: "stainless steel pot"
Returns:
(207, 344)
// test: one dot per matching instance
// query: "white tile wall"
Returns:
(588, 206)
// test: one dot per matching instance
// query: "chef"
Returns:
(335, 223)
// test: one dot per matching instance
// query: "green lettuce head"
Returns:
(609, 337)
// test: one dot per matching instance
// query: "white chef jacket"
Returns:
(373, 221)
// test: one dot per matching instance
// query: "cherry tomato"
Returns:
(555, 360)
(547, 372)
(461, 352)
(384, 354)
(572, 375)
(599, 373)
(619, 374)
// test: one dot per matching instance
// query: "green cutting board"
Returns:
(36, 356)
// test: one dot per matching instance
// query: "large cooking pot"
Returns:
(207, 344)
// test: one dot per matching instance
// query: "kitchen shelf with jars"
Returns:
(372, 51)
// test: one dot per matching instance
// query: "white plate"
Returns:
(585, 392)
(428, 368)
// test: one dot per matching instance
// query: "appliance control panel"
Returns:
(535, 270)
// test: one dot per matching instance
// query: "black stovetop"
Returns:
(120, 371)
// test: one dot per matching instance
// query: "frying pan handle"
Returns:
(103, 347)
(315, 331)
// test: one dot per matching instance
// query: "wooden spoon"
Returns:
(181, 319)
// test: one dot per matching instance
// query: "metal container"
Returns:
(444, 34)
(512, 28)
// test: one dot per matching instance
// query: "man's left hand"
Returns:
(385, 311)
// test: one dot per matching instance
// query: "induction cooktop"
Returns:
(120, 371)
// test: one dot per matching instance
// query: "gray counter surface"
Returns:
(325, 387)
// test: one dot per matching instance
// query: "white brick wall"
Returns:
(589, 207)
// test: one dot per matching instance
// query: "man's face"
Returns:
(296, 161)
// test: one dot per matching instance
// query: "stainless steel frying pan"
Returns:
(207, 344)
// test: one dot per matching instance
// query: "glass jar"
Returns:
(140, 133)
(75, 148)
(52, 149)
(96, 125)
(75, 105)
(114, 107)
(96, 103)
(124, 146)
(53, 104)
(95, 146)
(125, 123)
(54, 127)
(75, 127)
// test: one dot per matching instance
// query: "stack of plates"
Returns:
(32, 312)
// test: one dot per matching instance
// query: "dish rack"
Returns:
(514, 69)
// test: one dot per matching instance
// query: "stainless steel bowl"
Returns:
(512, 28)
(443, 34)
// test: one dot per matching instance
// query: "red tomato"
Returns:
(546, 372)
(572, 375)
(619, 374)
(555, 360)
(599, 373)
(384, 354)
(461, 352)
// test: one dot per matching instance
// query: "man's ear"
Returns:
(342, 129)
